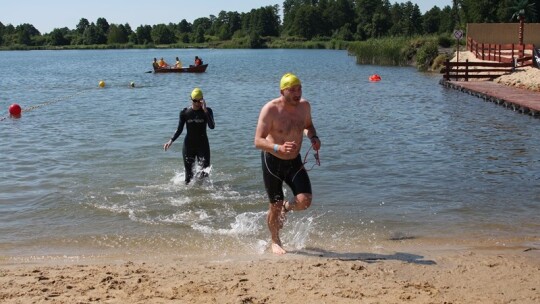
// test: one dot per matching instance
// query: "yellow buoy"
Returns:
(102, 84)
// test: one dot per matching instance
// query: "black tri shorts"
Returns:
(276, 171)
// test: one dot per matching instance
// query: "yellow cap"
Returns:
(196, 94)
(289, 80)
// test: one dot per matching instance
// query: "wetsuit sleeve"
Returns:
(181, 123)
(210, 118)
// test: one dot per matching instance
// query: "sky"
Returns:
(48, 15)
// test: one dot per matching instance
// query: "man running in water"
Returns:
(196, 145)
(280, 129)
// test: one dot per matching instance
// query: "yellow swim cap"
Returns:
(289, 80)
(196, 94)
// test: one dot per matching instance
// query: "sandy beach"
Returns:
(414, 271)
(524, 77)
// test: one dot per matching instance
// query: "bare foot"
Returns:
(277, 249)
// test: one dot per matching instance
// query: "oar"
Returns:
(149, 72)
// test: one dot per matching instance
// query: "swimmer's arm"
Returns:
(263, 130)
(310, 130)
(210, 117)
(180, 128)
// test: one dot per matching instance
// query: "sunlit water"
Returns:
(83, 171)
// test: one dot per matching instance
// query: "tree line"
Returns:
(347, 20)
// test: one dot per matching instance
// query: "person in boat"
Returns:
(178, 64)
(163, 64)
(155, 64)
(282, 124)
(196, 146)
(198, 61)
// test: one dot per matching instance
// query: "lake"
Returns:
(84, 172)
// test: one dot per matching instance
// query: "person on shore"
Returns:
(282, 123)
(163, 64)
(178, 64)
(198, 61)
(196, 146)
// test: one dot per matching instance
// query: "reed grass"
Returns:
(384, 51)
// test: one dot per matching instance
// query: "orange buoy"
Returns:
(374, 78)
(15, 110)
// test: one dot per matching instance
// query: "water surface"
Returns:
(83, 171)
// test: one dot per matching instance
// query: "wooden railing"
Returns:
(483, 70)
(502, 52)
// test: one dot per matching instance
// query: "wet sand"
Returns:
(411, 272)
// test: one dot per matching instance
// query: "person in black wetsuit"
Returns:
(196, 145)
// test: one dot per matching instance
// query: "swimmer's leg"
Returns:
(188, 166)
(285, 207)
(273, 220)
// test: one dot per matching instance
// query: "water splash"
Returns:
(247, 223)
(298, 236)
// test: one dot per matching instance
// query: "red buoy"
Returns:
(15, 110)
(374, 78)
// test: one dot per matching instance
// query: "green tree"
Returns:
(127, 29)
(25, 33)
(269, 20)
(59, 36)
(365, 9)
(381, 21)
(82, 25)
(9, 35)
(103, 25)
(117, 34)
(263, 21)
(198, 36)
(431, 21)
(144, 34)
(223, 32)
(482, 11)
(449, 20)
(406, 19)
(345, 33)
(184, 26)
(338, 13)
(234, 22)
(306, 22)
(161, 34)
(203, 24)
(226, 24)
(220, 26)
(2, 30)
(90, 35)
(255, 41)
(415, 18)
(290, 8)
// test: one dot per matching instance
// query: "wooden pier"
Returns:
(516, 99)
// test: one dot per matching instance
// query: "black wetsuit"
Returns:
(196, 141)
(277, 170)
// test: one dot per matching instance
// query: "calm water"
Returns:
(83, 171)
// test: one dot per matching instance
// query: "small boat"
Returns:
(191, 69)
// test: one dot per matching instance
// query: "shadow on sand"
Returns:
(365, 257)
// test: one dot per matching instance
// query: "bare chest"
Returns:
(289, 123)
